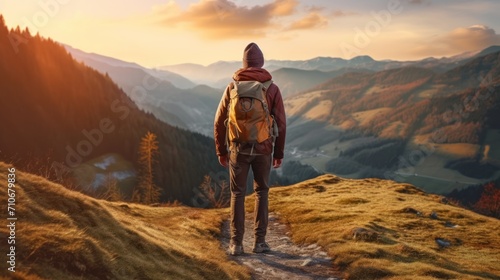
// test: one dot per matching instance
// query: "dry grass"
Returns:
(394, 130)
(371, 228)
(458, 150)
(364, 117)
(66, 235)
(382, 229)
(374, 89)
(320, 111)
(430, 92)
(301, 103)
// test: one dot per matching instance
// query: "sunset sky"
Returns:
(163, 32)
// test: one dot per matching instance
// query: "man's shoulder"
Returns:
(252, 74)
(274, 88)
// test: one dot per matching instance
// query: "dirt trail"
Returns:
(286, 259)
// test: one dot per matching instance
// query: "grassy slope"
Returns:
(66, 235)
(328, 209)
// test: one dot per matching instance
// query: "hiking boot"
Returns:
(261, 247)
(235, 250)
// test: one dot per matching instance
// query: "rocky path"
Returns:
(286, 259)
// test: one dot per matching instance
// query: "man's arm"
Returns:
(278, 112)
(219, 125)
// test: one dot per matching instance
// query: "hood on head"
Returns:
(253, 56)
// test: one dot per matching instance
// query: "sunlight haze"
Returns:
(154, 33)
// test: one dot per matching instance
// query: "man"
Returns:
(240, 157)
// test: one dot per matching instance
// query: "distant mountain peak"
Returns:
(223, 62)
(362, 58)
(489, 50)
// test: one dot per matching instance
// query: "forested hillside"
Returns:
(373, 124)
(170, 97)
(405, 97)
(58, 109)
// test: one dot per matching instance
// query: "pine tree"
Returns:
(146, 191)
(217, 193)
(111, 191)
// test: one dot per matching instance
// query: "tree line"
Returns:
(55, 107)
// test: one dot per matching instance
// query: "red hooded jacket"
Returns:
(277, 110)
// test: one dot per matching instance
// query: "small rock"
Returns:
(312, 246)
(320, 188)
(321, 254)
(411, 211)
(434, 215)
(249, 264)
(307, 262)
(259, 270)
(364, 234)
(450, 224)
(442, 243)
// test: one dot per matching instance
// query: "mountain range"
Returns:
(169, 96)
(357, 117)
(436, 130)
(218, 74)
(395, 106)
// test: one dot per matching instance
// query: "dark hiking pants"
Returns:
(239, 166)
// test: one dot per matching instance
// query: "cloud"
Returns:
(473, 37)
(222, 19)
(310, 21)
(283, 7)
(340, 13)
(167, 10)
(314, 8)
(463, 39)
(419, 2)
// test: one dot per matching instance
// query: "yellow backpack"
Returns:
(249, 119)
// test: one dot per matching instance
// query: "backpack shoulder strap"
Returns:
(267, 84)
(249, 86)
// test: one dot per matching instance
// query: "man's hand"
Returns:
(224, 161)
(277, 162)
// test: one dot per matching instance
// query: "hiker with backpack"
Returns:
(249, 132)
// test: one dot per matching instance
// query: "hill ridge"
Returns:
(375, 228)
(63, 234)
(369, 228)
(370, 124)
